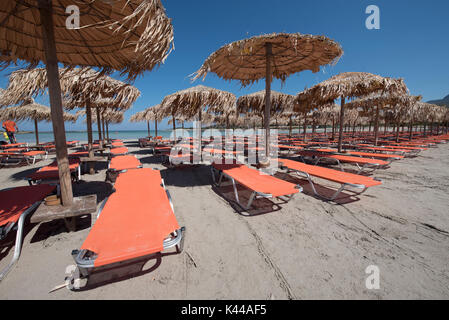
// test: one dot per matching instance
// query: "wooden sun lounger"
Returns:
(261, 185)
(136, 221)
(361, 183)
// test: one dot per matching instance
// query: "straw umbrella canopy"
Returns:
(193, 101)
(398, 104)
(427, 112)
(99, 92)
(31, 110)
(255, 102)
(80, 87)
(107, 117)
(2, 100)
(270, 56)
(131, 36)
(152, 113)
(349, 85)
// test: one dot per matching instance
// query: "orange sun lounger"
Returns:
(122, 163)
(137, 220)
(118, 151)
(117, 144)
(362, 163)
(261, 185)
(51, 173)
(372, 155)
(387, 150)
(15, 205)
(12, 159)
(362, 183)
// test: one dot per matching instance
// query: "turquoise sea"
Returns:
(82, 136)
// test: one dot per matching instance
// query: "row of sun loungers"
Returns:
(140, 209)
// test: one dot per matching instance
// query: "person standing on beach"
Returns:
(10, 128)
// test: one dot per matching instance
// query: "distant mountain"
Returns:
(442, 102)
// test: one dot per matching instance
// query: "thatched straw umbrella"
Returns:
(280, 103)
(349, 85)
(81, 87)
(267, 56)
(398, 105)
(149, 114)
(329, 113)
(131, 36)
(107, 117)
(194, 101)
(2, 100)
(31, 110)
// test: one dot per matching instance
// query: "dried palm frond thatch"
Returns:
(398, 107)
(350, 85)
(270, 56)
(30, 110)
(78, 87)
(152, 113)
(131, 36)
(190, 102)
(255, 102)
(245, 60)
(109, 115)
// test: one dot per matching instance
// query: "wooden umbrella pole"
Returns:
(333, 128)
(89, 129)
(410, 136)
(100, 140)
(174, 127)
(107, 129)
(102, 124)
(398, 129)
(290, 128)
(155, 127)
(376, 127)
(54, 89)
(148, 127)
(36, 132)
(305, 125)
(268, 51)
(342, 119)
(199, 134)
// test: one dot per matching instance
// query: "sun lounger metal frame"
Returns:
(254, 194)
(361, 169)
(85, 259)
(4, 230)
(342, 188)
(20, 158)
(76, 175)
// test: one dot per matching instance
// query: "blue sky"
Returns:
(411, 44)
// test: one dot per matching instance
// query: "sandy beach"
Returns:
(309, 249)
